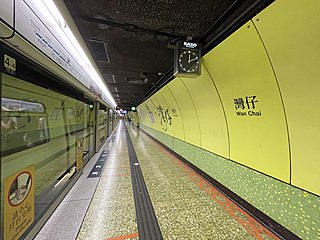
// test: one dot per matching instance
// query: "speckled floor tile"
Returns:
(65, 222)
(112, 211)
(183, 209)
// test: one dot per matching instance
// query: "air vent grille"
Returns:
(109, 78)
(99, 51)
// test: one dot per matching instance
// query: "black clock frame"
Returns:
(185, 69)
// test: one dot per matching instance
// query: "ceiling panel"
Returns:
(132, 41)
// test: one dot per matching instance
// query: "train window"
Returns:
(20, 105)
(23, 125)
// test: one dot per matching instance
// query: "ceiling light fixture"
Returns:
(76, 49)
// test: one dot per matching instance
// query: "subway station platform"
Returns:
(134, 188)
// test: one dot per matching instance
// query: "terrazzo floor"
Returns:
(184, 209)
(112, 212)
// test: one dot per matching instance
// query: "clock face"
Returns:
(188, 61)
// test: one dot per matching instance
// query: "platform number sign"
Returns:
(9, 64)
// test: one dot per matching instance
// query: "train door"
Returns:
(34, 142)
(89, 144)
(108, 121)
(102, 120)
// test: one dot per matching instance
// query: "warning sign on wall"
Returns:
(18, 203)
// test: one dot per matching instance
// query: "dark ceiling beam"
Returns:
(128, 27)
(213, 39)
(124, 69)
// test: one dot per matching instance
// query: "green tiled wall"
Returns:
(297, 210)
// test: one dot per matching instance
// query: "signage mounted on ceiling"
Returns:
(187, 57)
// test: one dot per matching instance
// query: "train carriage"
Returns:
(54, 117)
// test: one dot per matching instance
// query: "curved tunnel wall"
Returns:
(249, 120)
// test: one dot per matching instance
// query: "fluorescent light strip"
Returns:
(78, 52)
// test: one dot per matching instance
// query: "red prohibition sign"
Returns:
(20, 188)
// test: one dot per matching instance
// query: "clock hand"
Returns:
(192, 60)
(189, 58)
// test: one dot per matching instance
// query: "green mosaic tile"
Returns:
(165, 139)
(297, 210)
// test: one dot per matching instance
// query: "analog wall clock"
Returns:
(187, 60)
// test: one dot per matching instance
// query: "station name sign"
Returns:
(247, 106)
